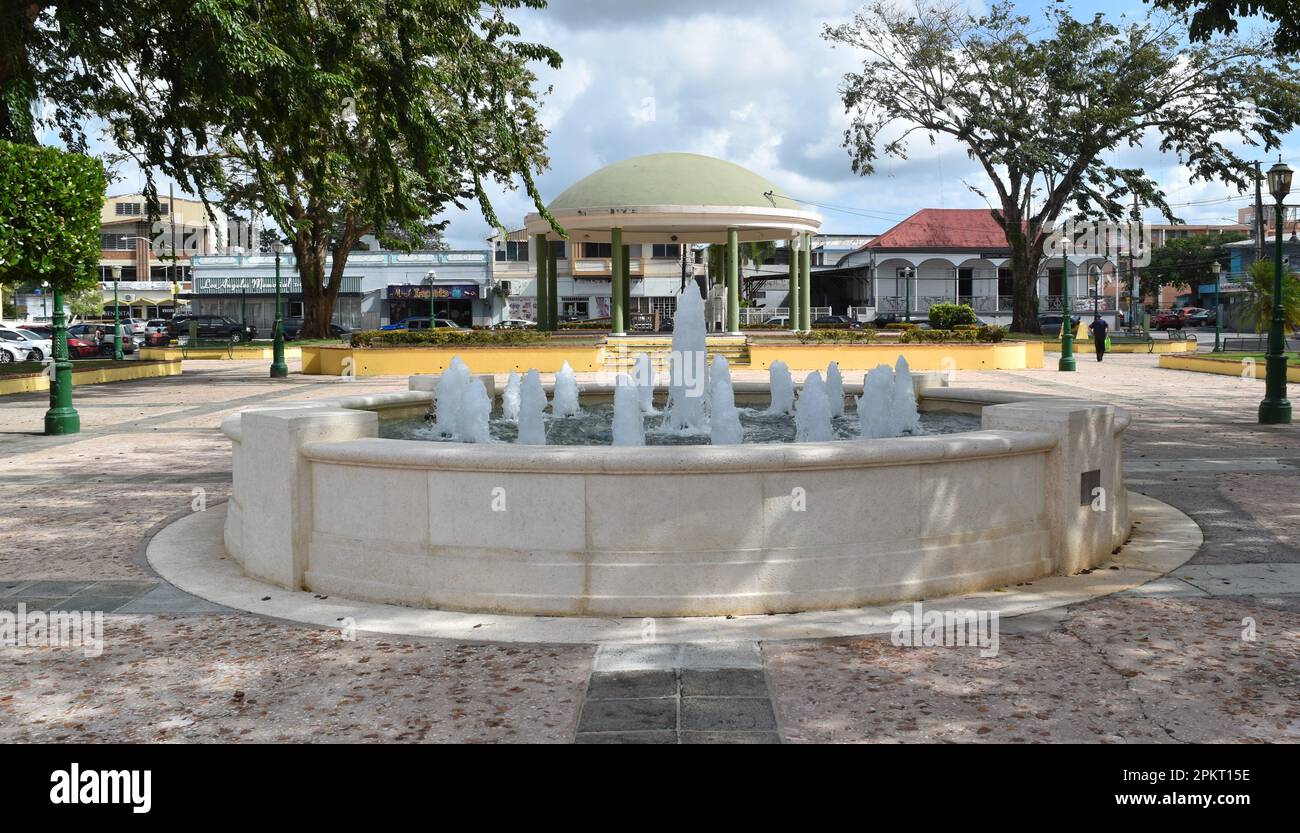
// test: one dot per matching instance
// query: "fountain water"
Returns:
(644, 376)
(875, 405)
(532, 404)
(812, 413)
(688, 394)
(905, 415)
(475, 411)
(448, 396)
(724, 419)
(564, 402)
(510, 398)
(629, 422)
(835, 389)
(782, 388)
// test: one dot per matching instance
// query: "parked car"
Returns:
(515, 324)
(778, 321)
(293, 326)
(1167, 320)
(1202, 318)
(422, 322)
(10, 353)
(79, 349)
(837, 321)
(210, 327)
(44, 331)
(155, 325)
(86, 332)
(37, 348)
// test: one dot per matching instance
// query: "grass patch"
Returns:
(1292, 359)
(31, 368)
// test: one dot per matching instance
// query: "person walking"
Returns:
(1099, 328)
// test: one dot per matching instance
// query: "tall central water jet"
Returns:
(532, 404)
(688, 390)
(812, 413)
(724, 419)
(564, 402)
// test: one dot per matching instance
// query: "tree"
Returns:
(1186, 261)
(1257, 308)
(1042, 114)
(1211, 16)
(387, 112)
(86, 302)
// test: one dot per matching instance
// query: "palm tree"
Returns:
(1257, 309)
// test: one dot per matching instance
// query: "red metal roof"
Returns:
(944, 228)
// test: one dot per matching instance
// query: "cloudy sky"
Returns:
(751, 81)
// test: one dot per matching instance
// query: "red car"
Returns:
(1167, 320)
(78, 349)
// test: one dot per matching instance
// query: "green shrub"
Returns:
(948, 316)
(992, 334)
(968, 326)
(589, 324)
(447, 337)
(837, 335)
(902, 326)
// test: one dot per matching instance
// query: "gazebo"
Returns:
(681, 198)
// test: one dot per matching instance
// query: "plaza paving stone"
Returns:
(1167, 662)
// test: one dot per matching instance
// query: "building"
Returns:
(151, 261)
(379, 287)
(958, 255)
(1290, 218)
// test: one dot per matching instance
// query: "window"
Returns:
(1006, 283)
(597, 250)
(512, 251)
(666, 250)
(296, 310)
(106, 273)
(117, 242)
(129, 209)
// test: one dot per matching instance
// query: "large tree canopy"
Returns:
(1042, 110)
(1214, 16)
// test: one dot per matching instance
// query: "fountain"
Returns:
(510, 398)
(688, 401)
(644, 375)
(532, 407)
(812, 413)
(835, 389)
(475, 411)
(724, 419)
(564, 402)
(875, 405)
(904, 411)
(448, 396)
(629, 421)
(782, 388)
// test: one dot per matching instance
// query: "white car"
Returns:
(37, 348)
(10, 354)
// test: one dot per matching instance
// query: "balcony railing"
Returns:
(994, 303)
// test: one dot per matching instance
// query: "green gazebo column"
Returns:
(61, 418)
(627, 285)
(793, 300)
(539, 247)
(552, 289)
(733, 282)
(616, 312)
(805, 290)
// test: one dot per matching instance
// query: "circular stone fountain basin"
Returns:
(321, 502)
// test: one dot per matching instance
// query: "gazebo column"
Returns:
(733, 282)
(627, 286)
(805, 291)
(539, 252)
(552, 289)
(793, 299)
(618, 322)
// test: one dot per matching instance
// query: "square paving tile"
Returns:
(628, 715)
(728, 682)
(711, 655)
(727, 714)
(9, 588)
(624, 685)
(650, 656)
(626, 737)
(168, 599)
(91, 602)
(32, 604)
(53, 589)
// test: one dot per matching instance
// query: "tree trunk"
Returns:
(320, 291)
(1024, 307)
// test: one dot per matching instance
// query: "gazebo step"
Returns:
(620, 354)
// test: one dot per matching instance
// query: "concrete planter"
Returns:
(320, 503)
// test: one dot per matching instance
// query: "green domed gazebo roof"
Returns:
(671, 179)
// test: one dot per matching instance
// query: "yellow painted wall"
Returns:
(1010, 355)
(93, 376)
(1224, 367)
(216, 353)
(1085, 346)
(407, 361)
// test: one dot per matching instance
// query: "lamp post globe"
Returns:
(1275, 409)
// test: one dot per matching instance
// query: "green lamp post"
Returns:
(61, 418)
(279, 369)
(1067, 327)
(1275, 409)
(117, 317)
(1217, 269)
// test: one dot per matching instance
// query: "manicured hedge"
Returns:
(838, 335)
(948, 316)
(447, 337)
(984, 334)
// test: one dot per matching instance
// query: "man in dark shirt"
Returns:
(1099, 328)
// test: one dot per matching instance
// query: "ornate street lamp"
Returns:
(1067, 326)
(279, 369)
(117, 317)
(1275, 409)
(1217, 269)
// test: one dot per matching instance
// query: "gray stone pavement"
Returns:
(1208, 653)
